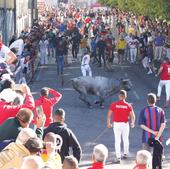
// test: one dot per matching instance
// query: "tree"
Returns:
(151, 8)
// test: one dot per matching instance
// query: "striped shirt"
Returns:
(152, 117)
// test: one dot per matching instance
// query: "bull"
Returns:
(102, 87)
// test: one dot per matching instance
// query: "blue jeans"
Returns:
(60, 64)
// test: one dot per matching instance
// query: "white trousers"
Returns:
(165, 83)
(133, 55)
(86, 69)
(44, 57)
(158, 52)
(121, 131)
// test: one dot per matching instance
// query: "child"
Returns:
(49, 153)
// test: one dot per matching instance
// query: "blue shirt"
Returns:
(159, 41)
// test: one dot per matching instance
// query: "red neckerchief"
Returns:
(0, 45)
(140, 166)
(97, 165)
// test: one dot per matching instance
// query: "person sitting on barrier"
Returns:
(99, 156)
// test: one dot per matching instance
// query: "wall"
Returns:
(23, 18)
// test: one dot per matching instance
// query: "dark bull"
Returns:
(100, 86)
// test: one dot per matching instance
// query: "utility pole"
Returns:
(15, 16)
(32, 12)
(5, 23)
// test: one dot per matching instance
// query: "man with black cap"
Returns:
(67, 137)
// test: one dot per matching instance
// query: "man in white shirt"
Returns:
(133, 44)
(6, 55)
(43, 47)
(85, 67)
(18, 45)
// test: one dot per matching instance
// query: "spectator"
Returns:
(43, 47)
(49, 153)
(152, 121)
(85, 67)
(13, 154)
(61, 48)
(101, 47)
(99, 156)
(143, 160)
(159, 42)
(150, 56)
(67, 138)
(121, 45)
(164, 80)
(52, 42)
(32, 162)
(14, 38)
(48, 103)
(70, 162)
(9, 109)
(22, 69)
(22, 137)
(133, 44)
(13, 126)
(6, 55)
(121, 111)
(93, 49)
(75, 40)
(168, 50)
(18, 45)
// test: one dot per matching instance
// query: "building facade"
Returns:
(16, 15)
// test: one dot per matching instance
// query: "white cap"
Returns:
(8, 95)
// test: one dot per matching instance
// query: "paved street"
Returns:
(89, 125)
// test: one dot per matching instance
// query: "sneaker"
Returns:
(149, 72)
(124, 157)
(117, 161)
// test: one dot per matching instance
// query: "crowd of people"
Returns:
(32, 134)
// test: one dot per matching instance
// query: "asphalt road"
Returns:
(89, 125)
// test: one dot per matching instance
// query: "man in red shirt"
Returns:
(47, 103)
(164, 80)
(9, 109)
(121, 111)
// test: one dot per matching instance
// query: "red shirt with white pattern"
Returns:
(121, 111)
(165, 74)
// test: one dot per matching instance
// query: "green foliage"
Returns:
(152, 8)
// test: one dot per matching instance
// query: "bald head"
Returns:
(32, 162)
